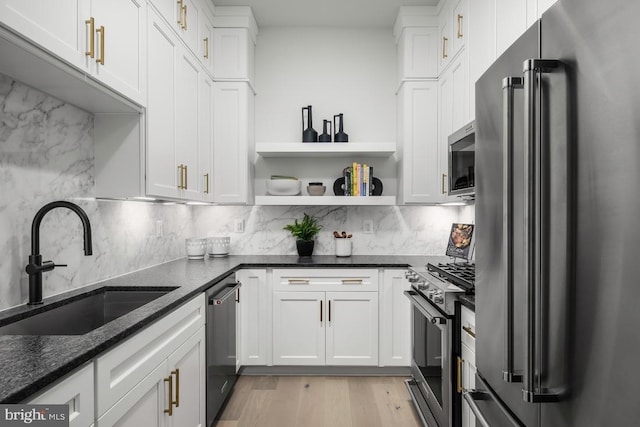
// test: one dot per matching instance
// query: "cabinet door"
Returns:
(468, 383)
(511, 22)
(205, 137)
(418, 137)
(76, 391)
(255, 333)
(144, 405)
(418, 53)
(352, 328)
(445, 50)
(460, 93)
(162, 168)
(395, 320)
(188, 23)
(459, 22)
(187, 364)
(186, 141)
(205, 42)
(58, 26)
(233, 54)
(232, 139)
(121, 47)
(445, 128)
(299, 320)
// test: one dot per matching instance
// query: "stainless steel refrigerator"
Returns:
(558, 222)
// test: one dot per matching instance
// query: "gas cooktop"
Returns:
(461, 274)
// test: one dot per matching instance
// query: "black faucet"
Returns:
(36, 266)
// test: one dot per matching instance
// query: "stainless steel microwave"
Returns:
(462, 161)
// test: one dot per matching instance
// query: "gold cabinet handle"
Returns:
(206, 183)
(180, 10)
(179, 177)
(298, 281)
(91, 52)
(459, 385)
(206, 48)
(177, 374)
(459, 26)
(352, 281)
(444, 47)
(169, 411)
(186, 185)
(100, 30)
(444, 179)
(468, 330)
(184, 25)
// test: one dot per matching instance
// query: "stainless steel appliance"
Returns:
(556, 212)
(221, 344)
(434, 336)
(462, 161)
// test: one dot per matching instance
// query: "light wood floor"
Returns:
(288, 401)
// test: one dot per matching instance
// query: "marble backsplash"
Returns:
(47, 154)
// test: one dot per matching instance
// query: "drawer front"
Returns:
(76, 391)
(325, 279)
(468, 322)
(122, 368)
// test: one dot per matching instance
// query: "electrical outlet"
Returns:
(367, 226)
(238, 226)
(159, 228)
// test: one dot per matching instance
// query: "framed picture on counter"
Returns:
(460, 243)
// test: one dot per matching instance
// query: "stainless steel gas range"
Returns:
(433, 294)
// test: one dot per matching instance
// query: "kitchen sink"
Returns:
(85, 313)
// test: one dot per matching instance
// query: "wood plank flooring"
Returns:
(296, 401)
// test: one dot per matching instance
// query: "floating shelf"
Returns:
(325, 149)
(325, 200)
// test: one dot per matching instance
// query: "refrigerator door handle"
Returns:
(509, 86)
(535, 186)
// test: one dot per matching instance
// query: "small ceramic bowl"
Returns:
(316, 190)
(218, 246)
(196, 248)
(283, 187)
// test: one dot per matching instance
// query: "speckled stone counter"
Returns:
(468, 301)
(30, 363)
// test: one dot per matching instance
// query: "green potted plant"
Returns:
(305, 231)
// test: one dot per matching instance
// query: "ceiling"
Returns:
(325, 13)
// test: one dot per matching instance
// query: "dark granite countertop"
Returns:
(30, 363)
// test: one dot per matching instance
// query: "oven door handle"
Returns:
(416, 299)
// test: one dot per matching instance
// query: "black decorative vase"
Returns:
(305, 247)
(308, 134)
(340, 136)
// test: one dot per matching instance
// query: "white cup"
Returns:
(218, 246)
(343, 246)
(196, 248)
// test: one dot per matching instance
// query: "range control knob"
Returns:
(422, 286)
(438, 297)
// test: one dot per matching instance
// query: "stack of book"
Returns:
(357, 180)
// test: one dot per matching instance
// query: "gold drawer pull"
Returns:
(459, 388)
(459, 26)
(299, 281)
(444, 47)
(91, 52)
(206, 48)
(169, 411)
(468, 330)
(352, 281)
(100, 60)
(177, 374)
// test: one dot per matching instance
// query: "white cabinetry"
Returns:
(467, 363)
(417, 52)
(76, 391)
(395, 320)
(205, 42)
(233, 118)
(459, 22)
(103, 38)
(325, 317)
(234, 52)
(255, 331)
(137, 375)
(420, 180)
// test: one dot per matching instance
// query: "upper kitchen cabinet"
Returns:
(417, 52)
(205, 42)
(234, 40)
(102, 38)
(459, 20)
(184, 18)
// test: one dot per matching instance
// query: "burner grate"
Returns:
(460, 274)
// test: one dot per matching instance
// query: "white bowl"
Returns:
(196, 248)
(218, 246)
(284, 187)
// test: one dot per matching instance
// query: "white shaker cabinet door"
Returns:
(255, 330)
(205, 137)
(395, 320)
(352, 328)
(162, 168)
(120, 46)
(299, 328)
(58, 26)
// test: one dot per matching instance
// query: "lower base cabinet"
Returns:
(171, 395)
(325, 328)
(468, 363)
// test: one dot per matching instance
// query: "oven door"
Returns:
(431, 357)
